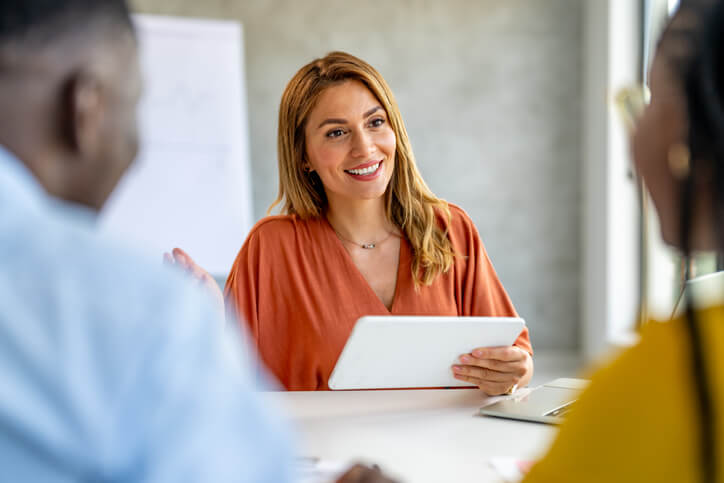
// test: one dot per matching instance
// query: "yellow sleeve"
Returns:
(634, 422)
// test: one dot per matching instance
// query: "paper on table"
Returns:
(512, 470)
(315, 470)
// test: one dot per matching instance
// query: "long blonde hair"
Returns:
(410, 204)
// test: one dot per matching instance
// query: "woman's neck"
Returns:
(360, 221)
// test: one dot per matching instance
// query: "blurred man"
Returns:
(111, 368)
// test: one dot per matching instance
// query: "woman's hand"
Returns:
(495, 370)
(181, 259)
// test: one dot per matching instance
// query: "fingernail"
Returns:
(478, 353)
(457, 369)
(465, 358)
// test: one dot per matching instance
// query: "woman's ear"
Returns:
(306, 167)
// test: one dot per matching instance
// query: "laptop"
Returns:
(548, 403)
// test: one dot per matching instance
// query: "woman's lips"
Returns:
(366, 171)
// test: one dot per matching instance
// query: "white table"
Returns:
(415, 435)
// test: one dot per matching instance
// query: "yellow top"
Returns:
(638, 420)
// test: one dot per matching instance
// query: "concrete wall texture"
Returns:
(491, 95)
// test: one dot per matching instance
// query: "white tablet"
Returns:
(415, 351)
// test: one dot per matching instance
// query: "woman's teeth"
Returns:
(367, 170)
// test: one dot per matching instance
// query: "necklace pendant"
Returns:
(368, 246)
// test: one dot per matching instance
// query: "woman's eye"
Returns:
(377, 122)
(335, 133)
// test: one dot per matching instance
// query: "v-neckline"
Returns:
(348, 258)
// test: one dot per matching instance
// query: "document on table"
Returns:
(315, 470)
(512, 470)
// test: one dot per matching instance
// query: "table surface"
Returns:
(420, 436)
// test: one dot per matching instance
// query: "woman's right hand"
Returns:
(182, 260)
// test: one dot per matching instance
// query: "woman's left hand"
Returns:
(495, 370)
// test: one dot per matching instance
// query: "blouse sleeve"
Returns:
(480, 291)
(241, 293)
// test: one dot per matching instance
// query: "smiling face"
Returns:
(350, 143)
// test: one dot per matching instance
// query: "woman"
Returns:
(656, 413)
(361, 234)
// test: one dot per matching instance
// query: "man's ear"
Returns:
(84, 115)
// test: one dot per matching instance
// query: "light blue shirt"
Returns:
(112, 368)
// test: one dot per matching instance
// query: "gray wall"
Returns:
(490, 91)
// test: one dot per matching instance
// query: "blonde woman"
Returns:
(360, 234)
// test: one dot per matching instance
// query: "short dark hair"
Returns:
(43, 21)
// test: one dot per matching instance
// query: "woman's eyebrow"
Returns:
(344, 121)
(372, 111)
(332, 121)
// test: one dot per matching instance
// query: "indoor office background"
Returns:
(491, 95)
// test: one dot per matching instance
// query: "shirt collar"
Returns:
(19, 187)
(17, 183)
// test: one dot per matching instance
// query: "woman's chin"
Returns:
(670, 235)
(370, 194)
(672, 241)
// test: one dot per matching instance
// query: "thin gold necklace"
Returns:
(366, 246)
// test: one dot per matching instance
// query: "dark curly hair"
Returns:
(692, 47)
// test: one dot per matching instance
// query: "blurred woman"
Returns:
(360, 234)
(657, 412)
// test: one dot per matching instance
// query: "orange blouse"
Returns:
(300, 293)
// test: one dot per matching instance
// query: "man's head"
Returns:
(69, 87)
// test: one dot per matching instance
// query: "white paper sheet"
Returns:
(190, 186)
(508, 469)
(315, 470)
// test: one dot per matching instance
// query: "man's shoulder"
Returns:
(121, 275)
(70, 262)
(68, 290)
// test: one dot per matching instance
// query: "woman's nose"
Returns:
(362, 144)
